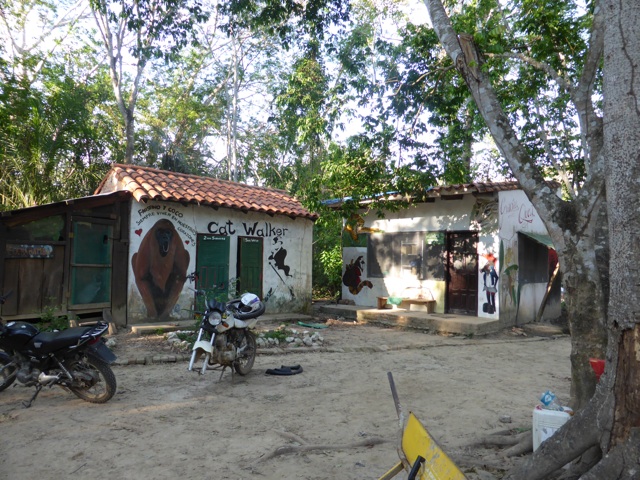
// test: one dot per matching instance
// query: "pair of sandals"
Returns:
(284, 370)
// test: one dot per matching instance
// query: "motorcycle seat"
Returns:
(46, 342)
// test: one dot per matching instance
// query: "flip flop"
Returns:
(284, 370)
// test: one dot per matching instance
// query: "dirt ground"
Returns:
(166, 422)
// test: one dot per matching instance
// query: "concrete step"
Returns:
(424, 321)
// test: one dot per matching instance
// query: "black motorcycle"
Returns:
(75, 359)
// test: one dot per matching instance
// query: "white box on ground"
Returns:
(546, 423)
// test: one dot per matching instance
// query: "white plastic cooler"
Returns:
(546, 423)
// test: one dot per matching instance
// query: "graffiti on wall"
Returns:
(160, 267)
(277, 260)
(490, 283)
(351, 276)
(354, 233)
(522, 212)
(509, 273)
(485, 214)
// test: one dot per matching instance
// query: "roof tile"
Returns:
(151, 184)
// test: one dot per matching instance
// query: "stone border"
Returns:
(184, 357)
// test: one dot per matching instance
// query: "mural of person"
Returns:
(490, 280)
(278, 256)
(159, 268)
(351, 276)
(277, 261)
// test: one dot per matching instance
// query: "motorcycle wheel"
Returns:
(97, 382)
(7, 374)
(244, 363)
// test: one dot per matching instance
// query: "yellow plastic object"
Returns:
(437, 465)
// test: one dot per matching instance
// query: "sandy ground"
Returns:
(165, 422)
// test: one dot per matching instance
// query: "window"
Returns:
(48, 229)
(533, 260)
(411, 258)
(91, 263)
(406, 254)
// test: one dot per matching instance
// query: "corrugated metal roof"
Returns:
(146, 183)
(441, 191)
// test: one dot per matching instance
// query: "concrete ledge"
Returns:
(424, 321)
(153, 328)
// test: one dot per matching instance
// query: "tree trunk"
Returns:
(611, 420)
(574, 225)
(621, 91)
(129, 131)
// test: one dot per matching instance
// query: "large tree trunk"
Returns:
(621, 92)
(611, 420)
(574, 225)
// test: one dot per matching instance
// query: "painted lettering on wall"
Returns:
(171, 213)
(526, 214)
(525, 211)
(255, 229)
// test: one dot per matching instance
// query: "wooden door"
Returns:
(462, 273)
(212, 265)
(250, 265)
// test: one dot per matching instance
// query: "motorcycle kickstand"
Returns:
(28, 404)
(222, 373)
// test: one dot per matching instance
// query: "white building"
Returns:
(431, 255)
(126, 251)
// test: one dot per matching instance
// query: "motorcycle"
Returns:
(225, 337)
(75, 359)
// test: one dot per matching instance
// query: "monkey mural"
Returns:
(351, 277)
(159, 268)
(355, 227)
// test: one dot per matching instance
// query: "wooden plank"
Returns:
(11, 269)
(53, 270)
(30, 281)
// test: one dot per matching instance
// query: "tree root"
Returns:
(519, 443)
(578, 436)
(307, 447)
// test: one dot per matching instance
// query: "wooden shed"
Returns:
(68, 257)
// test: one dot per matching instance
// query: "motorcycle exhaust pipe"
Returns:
(45, 379)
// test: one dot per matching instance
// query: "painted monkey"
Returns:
(160, 268)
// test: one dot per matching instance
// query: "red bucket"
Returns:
(598, 367)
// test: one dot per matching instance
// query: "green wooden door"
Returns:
(250, 265)
(212, 265)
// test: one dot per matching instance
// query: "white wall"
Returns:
(451, 215)
(519, 302)
(287, 292)
(497, 219)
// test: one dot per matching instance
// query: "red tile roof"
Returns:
(146, 183)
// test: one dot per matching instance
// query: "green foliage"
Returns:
(52, 142)
(50, 322)
(280, 334)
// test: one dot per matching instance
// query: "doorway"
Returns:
(250, 265)
(462, 273)
(212, 265)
